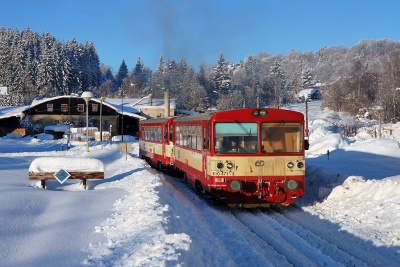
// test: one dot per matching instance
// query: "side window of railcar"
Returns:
(184, 136)
(189, 137)
(198, 137)
(149, 133)
(281, 137)
(171, 132)
(236, 137)
(188, 134)
(152, 135)
(194, 138)
(159, 134)
(206, 138)
(177, 135)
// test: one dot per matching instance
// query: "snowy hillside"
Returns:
(137, 216)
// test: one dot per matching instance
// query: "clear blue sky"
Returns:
(199, 30)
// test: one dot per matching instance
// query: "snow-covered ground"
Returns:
(137, 216)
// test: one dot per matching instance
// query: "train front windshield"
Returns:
(237, 137)
(281, 137)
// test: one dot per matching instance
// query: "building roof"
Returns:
(3, 90)
(307, 92)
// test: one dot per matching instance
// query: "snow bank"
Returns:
(52, 164)
(329, 142)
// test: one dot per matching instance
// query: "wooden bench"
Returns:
(44, 168)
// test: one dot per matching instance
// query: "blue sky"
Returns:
(200, 30)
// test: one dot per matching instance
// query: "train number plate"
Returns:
(223, 173)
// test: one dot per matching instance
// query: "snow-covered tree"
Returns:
(221, 77)
(277, 83)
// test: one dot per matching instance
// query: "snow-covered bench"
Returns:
(45, 168)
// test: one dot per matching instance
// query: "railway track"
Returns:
(268, 237)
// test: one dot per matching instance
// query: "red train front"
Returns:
(244, 158)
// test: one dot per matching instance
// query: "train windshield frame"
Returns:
(281, 137)
(235, 137)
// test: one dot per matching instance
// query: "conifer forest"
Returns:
(349, 79)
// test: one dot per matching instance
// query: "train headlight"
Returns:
(259, 113)
(290, 165)
(229, 165)
(263, 113)
(291, 184)
(234, 185)
(300, 164)
(220, 165)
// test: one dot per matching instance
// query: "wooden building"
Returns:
(122, 116)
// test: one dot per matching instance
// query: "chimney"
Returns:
(150, 100)
(166, 100)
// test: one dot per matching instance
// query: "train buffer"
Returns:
(64, 168)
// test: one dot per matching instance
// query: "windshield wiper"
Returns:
(243, 128)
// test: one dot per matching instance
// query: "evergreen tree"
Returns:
(306, 78)
(277, 83)
(121, 74)
(74, 54)
(160, 65)
(221, 77)
(141, 73)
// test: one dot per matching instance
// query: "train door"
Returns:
(163, 140)
(206, 146)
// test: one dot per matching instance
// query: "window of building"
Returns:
(81, 108)
(64, 107)
(50, 107)
(95, 107)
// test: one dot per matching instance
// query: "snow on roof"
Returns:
(3, 90)
(11, 111)
(306, 92)
(54, 164)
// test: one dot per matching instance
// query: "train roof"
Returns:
(246, 113)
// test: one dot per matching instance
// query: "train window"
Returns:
(159, 133)
(152, 135)
(180, 136)
(194, 134)
(171, 132)
(189, 137)
(281, 137)
(184, 135)
(206, 139)
(177, 135)
(236, 137)
(198, 137)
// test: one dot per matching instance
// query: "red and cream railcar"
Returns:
(267, 165)
(155, 142)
